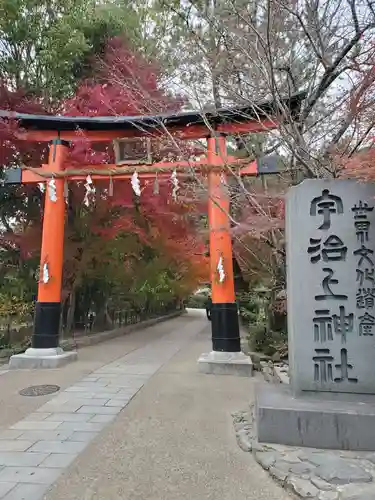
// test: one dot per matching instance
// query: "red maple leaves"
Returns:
(124, 83)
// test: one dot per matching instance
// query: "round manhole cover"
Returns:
(39, 390)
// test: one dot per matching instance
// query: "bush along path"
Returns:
(309, 472)
(91, 338)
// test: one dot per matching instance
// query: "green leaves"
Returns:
(114, 255)
(47, 44)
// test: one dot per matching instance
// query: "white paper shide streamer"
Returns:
(175, 184)
(224, 183)
(45, 275)
(156, 185)
(42, 187)
(136, 184)
(220, 269)
(90, 191)
(66, 191)
(52, 193)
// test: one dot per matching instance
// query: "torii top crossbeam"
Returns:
(187, 125)
(214, 126)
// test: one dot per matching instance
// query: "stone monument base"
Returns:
(226, 363)
(41, 358)
(327, 420)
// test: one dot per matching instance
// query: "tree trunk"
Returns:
(108, 316)
(102, 319)
(71, 311)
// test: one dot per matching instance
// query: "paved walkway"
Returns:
(145, 425)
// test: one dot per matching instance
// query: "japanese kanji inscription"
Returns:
(330, 234)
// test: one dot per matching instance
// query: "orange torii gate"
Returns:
(60, 130)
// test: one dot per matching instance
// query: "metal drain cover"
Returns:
(39, 390)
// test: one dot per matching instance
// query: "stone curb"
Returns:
(5, 354)
(274, 373)
(269, 373)
(97, 338)
(283, 374)
(309, 473)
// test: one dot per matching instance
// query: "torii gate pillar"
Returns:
(226, 357)
(45, 351)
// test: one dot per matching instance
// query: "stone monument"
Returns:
(330, 235)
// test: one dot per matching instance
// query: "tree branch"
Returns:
(332, 73)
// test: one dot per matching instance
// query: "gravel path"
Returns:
(173, 441)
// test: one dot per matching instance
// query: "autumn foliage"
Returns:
(360, 165)
(119, 232)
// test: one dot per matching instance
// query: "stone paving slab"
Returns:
(32, 475)
(15, 445)
(69, 417)
(82, 426)
(82, 436)
(10, 434)
(59, 460)
(31, 425)
(34, 436)
(104, 418)
(26, 491)
(35, 450)
(90, 359)
(14, 458)
(5, 488)
(98, 410)
(58, 447)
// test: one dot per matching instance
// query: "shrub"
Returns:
(197, 301)
(262, 339)
(248, 308)
(258, 337)
(4, 341)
